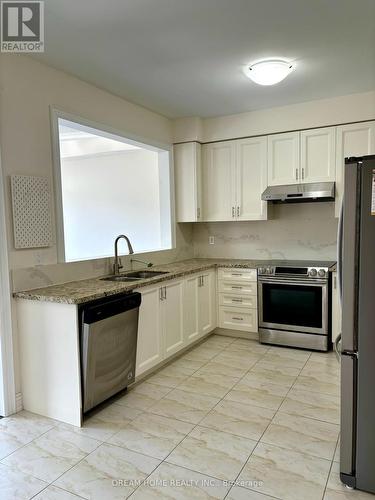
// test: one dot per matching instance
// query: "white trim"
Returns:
(7, 381)
(110, 133)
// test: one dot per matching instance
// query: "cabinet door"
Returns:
(207, 302)
(188, 173)
(191, 301)
(357, 139)
(172, 305)
(251, 178)
(283, 159)
(149, 345)
(219, 181)
(318, 155)
(336, 309)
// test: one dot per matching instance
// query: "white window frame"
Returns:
(55, 114)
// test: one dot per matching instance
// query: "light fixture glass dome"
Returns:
(269, 72)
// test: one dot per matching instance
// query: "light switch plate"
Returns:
(211, 240)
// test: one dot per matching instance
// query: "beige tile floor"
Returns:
(229, 411)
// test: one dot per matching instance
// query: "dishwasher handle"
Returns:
(111, 307)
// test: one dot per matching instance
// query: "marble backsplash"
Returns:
(296, 231)
(292, 231)
(54, 274)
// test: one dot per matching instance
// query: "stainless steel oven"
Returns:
(294, 306)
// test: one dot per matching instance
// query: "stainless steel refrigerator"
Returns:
(356, 268)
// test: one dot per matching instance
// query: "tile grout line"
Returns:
(198, 423)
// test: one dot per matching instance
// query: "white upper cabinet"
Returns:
(251, 178)
(318, 155)
(188, 181)
(219, 181)
(283, 158)
(356, 139)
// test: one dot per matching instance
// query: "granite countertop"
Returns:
(80, 292)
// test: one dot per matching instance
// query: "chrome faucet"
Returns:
(148, 264)
(117, 264)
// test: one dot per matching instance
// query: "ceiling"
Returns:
(185, 57)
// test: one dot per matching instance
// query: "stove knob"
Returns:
(313, 272)
(321, 273)
(269, 270)
(262, 270)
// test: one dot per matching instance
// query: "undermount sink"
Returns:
(144, 274)
(133, 276)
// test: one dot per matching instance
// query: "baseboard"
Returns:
(239, 334)
(19, 403)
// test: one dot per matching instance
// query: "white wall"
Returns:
(294, 231)
(28, 89)
(319, 113)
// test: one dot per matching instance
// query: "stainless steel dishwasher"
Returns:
(108, 347)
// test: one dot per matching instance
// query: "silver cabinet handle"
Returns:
(165, 292)
(238, 211)
(161, 293)
(296, 174)
(234, 287)
(202, 280)
(236, 274)
(236, 300)
(239, 319)
(198, 213)
(232, 211)
(303, 173)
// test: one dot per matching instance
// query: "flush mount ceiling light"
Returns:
(269, 72)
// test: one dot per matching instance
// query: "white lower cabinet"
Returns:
(238, 303)
(149, 344)
(207, 302)
(172, 315)
(172, 304)
(235, 318)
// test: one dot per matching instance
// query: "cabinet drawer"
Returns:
(238, 287)
(236, 318)
(228, 299)
(237, 274)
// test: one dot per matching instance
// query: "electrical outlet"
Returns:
(211, 240)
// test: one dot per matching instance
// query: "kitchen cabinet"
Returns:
(191, 306)
(149, 344)
(188, 181)
(172, 317)
(207, 302)
(356, 139)
(251, 178)
(219, 181)
(160, 328)
(318, 159)
(336, 308)
(283, 158)
(199, 305)
(302, 157)
(238, 304)
(234, 177)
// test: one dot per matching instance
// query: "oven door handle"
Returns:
(293, 282)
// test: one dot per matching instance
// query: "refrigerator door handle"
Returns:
(338, 347)
(339, 250)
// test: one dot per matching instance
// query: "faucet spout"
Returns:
(117, 264)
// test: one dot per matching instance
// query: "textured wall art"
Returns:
(31, 201)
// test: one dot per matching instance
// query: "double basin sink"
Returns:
(134, 276)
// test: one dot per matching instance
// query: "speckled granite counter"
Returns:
(79, 292)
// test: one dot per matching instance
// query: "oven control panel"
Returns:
(289, 271)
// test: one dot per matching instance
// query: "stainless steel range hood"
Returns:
(294, 193)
